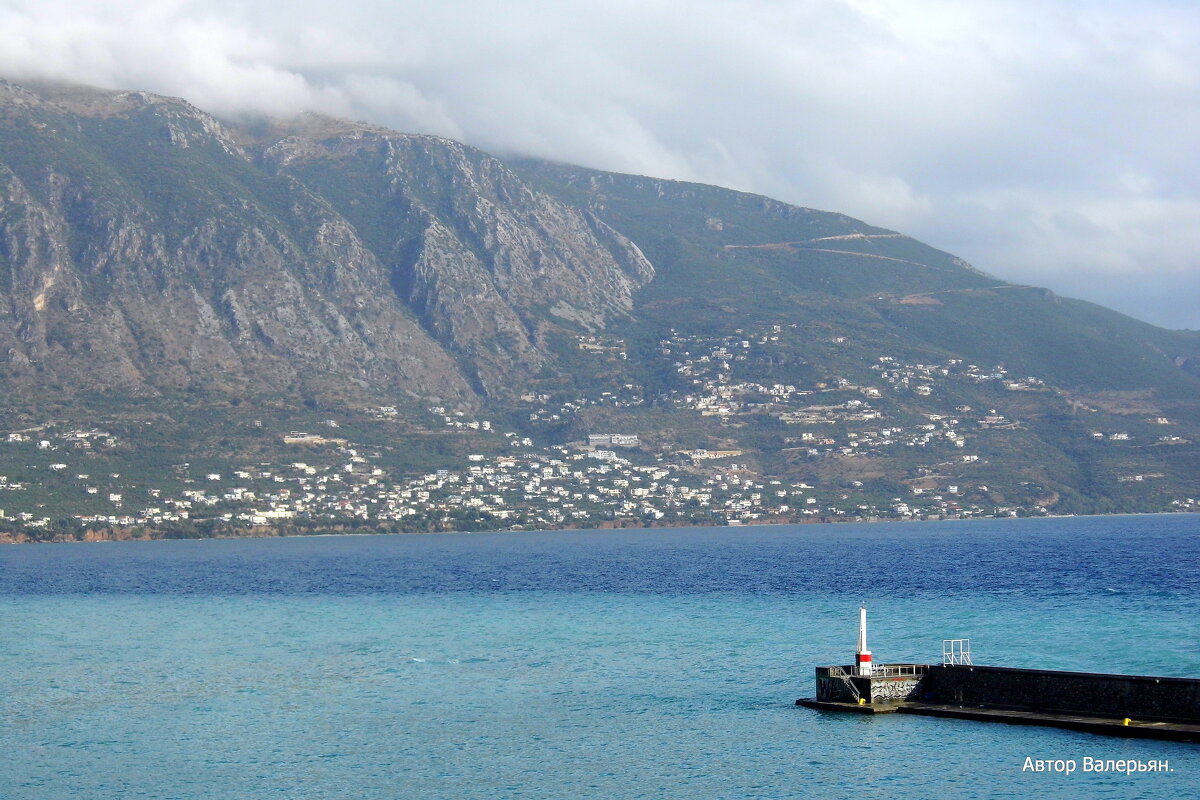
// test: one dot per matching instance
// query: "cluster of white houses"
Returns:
(580, 485)
(612, 476)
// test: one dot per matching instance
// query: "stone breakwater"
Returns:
(1126, 705)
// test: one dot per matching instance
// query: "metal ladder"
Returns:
(838, 672)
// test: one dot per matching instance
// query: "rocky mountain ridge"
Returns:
(148, 247)
(202, 296)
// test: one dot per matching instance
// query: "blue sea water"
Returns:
(623, 664)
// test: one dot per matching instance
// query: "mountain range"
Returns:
(159, 264)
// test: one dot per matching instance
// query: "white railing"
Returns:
(956, 651)
(899, 670)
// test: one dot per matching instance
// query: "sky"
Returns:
(1052, 144)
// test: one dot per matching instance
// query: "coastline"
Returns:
(145, 534)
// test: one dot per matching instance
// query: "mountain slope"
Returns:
(144, 248)
(460, 235)
(208, 292)
(751, 256)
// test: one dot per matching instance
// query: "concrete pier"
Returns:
(1120, 705)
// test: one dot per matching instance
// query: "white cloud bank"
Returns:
(1046, 143)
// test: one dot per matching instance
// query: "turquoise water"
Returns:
(656, 664)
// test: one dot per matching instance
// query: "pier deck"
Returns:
(865, 708)
(1116, 705)
(1143, 729)
(1146, 729)
(1156, 707)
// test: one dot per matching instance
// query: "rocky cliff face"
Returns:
(486, 262)
(145, 247)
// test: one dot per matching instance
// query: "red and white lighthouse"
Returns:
(863, 659)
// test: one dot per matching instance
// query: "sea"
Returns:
(659, 663)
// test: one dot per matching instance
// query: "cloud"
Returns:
(1048, 144)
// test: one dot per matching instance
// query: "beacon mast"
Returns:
(863, 659)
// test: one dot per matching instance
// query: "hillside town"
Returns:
(604, 478)
(585, 485)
